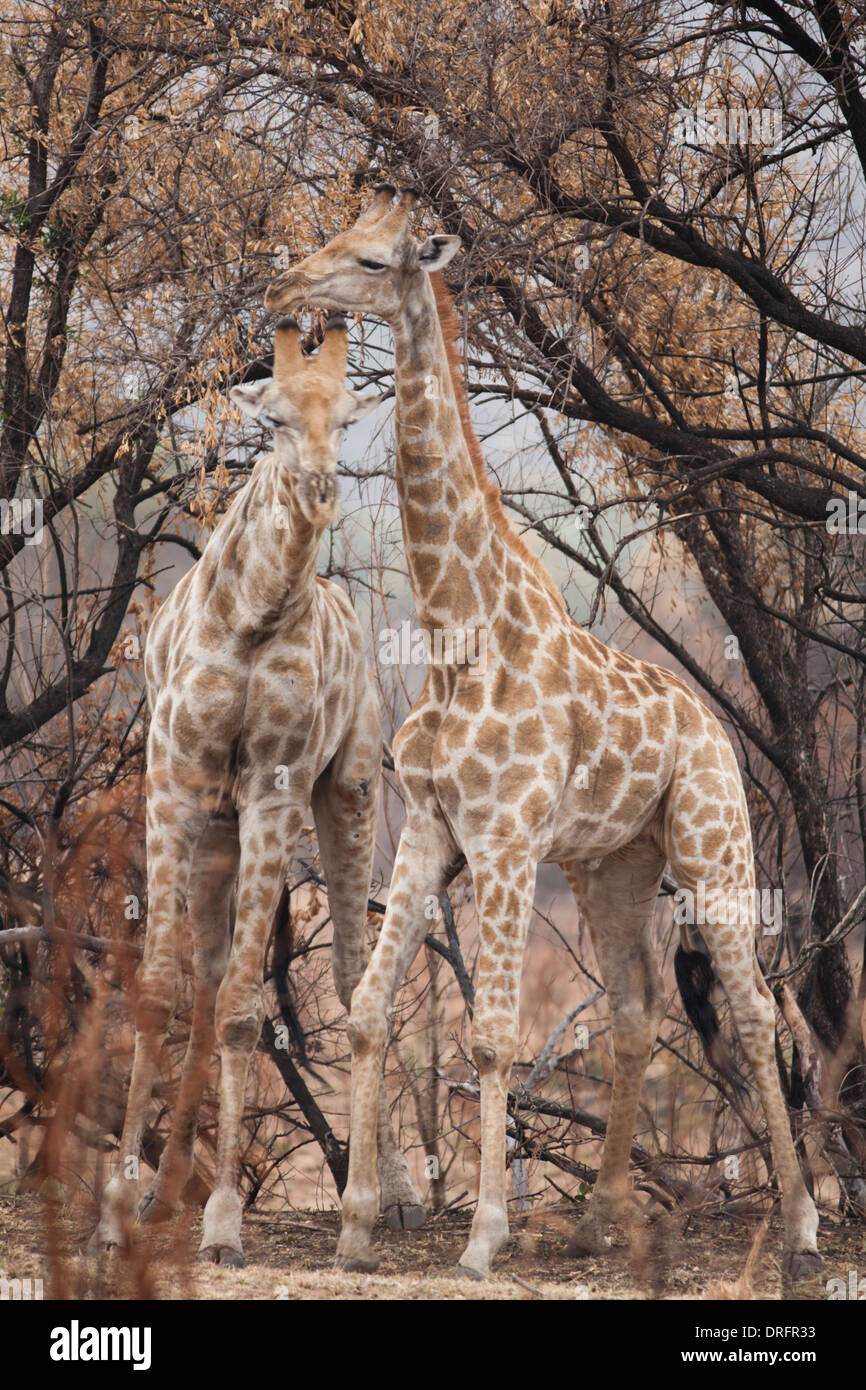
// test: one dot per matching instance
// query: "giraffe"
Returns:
(261, 704)
(556, 749)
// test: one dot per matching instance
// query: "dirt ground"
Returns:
(291, 1256)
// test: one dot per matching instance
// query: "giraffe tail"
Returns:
(695, 979)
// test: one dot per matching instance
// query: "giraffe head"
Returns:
(369, 269)
(308, 408)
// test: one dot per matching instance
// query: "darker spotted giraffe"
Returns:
(560, 749)
(261, 704)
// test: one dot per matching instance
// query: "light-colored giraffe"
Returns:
(261, 704)
(559, 749)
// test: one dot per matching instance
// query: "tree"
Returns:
(658, 209)
(661, 209)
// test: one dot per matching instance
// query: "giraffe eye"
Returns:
(275, 422)
(372, 265)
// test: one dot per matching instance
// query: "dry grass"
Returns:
(290, 1256)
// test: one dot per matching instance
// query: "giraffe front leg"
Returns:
(504, 892)
(420, 871)
(158, 990)
(173, 826)
(268, 834)
(209, 900)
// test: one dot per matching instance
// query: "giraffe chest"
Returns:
(494, 767)
(254, 711)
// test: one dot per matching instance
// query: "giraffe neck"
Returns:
(264, 564)
(454, 555)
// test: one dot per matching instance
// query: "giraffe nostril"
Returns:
(320, 489)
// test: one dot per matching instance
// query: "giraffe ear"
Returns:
(249, 395)
(437, 251)
(360, 403)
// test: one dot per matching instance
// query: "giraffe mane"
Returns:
(490, 492)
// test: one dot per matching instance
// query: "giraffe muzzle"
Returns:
(289, 292)
(318, 495)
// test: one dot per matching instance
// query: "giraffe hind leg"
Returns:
(269, 825)
(617, 900)
(713, 861)
(345, 808)
(422, 868)
(731, 944)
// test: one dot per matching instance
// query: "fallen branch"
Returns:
(546, 1062)
(13, 936)
(336, 1154)
(648, 1162)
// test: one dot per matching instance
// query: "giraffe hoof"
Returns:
(801, 1264)
(357, 1264)
(586, 1240)
(223, 1255)
(405, 1216)
(153, 1209)
(99, 1246)
(467, 1272)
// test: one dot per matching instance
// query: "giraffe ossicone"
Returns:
(487, 766)
(253, 665)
